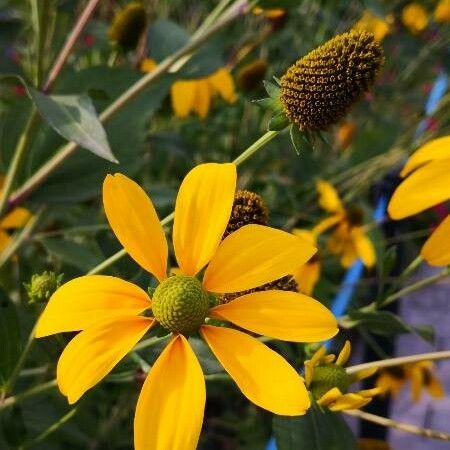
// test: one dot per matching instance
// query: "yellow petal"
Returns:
(169, 412)
(222, 82)
(202, 211)
(363, 247)
(307, 235)
(307, 276)
(202, 99)
(262, 375)
(349, 255)
(282, 315)
(319, 354)
(17, 218)
(4, 240)
(362, 374)
(83, 301)
(93, 353)
(329, 397)
(328, 197)
(369, 393)
(254, 255)
(134, 221)
(327, 223)
(435, 388)
(2, 182)
(344, 354)
(147, 65)
(437, 149)
(424, 188)
(436, 250)
(182, 94)
(349, 401)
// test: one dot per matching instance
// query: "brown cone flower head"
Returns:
(319, 89)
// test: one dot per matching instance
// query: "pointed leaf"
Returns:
(74, 118)
(317, 430)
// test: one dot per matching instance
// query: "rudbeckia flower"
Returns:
(349, 238)
(426, 185)
(108, 310)
(196, 95)
(328, 381)
(420, 375)
(442, 11)
(308, 274)
(415, 17)
(372, 23)
(13, 220)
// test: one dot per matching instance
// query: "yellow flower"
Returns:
(147, 65)
(107, 309)
(308, 274)
(420, 374)
(349, 238)
(372, 23)
(196, 95)
(17, 218)
(328, 381)
(415, 17)
(345, 135)
(426, 185)
(442, 11)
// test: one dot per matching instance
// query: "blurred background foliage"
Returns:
(156, 148)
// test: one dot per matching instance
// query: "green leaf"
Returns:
(426, 332)
(317, 430)
(10, 343)
(164, 38)
(72, 253)
(278, 122)
(383, 323)
(74, 118)
(269, 4)
(272, 89)
(298, 139)
(385, 267)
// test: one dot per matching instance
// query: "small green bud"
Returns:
(328, 376)
(42, 286)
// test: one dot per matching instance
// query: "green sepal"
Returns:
(278, 122)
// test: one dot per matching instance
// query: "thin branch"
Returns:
(413, 429)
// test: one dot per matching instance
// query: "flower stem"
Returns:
(399, 361)
(385, 422)
(50, 430)
(21, 237)
(18, 155)
(236, 10)
(263, 140)
(39, 389)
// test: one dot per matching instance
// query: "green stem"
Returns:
(261, 142)
(50, 430)
(36, 390)
(399, 361)
(23, 356)
(14, 165)
(233, 12)
(418, 285)
(21, 237)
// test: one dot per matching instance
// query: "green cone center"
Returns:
(180, 304)
(326, 377)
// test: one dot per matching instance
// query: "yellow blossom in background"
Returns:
(426, 184)
(372, 444)
(372, 23)
(308, 274)
(13, 220)
(420, 375)
(415, 17)
(345, 135)
(196, 95)
(349, 238)
(442, 11)
(328, 381)
(107, 310)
